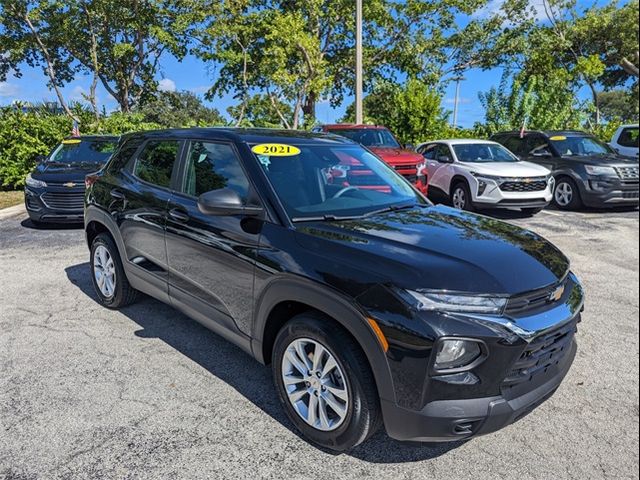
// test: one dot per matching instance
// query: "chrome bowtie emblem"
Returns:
(69, 184)
(556, 296)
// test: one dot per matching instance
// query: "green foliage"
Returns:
(24, 136)
(179, 109)
(259, 111)
(412, 112)
(620, 105)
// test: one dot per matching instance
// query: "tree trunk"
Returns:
(596, 103)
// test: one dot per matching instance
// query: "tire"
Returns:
(566, 195)
(461, 197)
(351, 378)
(121, 293)
(532, 211)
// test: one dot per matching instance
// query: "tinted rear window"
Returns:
(84, 151)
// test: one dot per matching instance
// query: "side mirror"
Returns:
(410, 146)
(444, 159)
(543, 153)
(225, 202)
(41, 158)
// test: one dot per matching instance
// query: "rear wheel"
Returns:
(461, 197)
(566, 195)
(324, 383)
(107, 274)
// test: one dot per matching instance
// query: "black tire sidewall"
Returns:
(118, 298)
(355, 427)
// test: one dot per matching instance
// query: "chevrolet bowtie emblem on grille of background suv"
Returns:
(69, 184)
(556, 296)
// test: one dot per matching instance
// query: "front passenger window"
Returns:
(213, 166)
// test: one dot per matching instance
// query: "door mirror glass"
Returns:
(444, 159)
(225, 202)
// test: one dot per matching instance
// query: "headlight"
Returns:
(595, 170)
(445, 302)
(32, 182)
(453, 354)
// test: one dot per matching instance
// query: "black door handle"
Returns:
(179, 215)
(117, 194)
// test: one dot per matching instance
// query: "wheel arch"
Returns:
(285, 298)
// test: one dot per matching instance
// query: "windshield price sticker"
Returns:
(558, 138)
(276, 150)
(71, 142)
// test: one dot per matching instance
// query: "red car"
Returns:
(382, 142)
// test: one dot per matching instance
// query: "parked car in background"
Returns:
(587, 171)
(383, 143)
(371, 307)
(474, 174)
(625, 141)
(54, 190)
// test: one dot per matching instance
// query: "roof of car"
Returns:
(248, 135)
(353, 126)
(460, 141)
(548, 133)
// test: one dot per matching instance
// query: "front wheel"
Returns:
(324, 383)
(566, 195)
(461, 197)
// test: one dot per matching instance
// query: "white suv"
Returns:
(625, 141)
(475, 174)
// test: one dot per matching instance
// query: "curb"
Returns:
(12, 211)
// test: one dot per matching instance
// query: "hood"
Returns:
(397, 156)
(59, 172)
(439, 248)
(507, 169)
(605, 160)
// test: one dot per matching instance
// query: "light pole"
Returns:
(359, 89)
(457, 79)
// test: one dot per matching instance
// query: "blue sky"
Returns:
(192, 74)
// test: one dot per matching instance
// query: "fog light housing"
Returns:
(482, 186)
(457, 354)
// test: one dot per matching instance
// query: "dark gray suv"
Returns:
(587, 171)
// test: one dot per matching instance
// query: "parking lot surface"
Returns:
(145, 392)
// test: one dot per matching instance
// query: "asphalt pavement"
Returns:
(145, 392)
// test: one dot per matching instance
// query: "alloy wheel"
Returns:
(315, 384)
(459, 198)
(564, 194)
(104, 271)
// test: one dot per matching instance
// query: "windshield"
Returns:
(579, 146)
(84, 151)
(339, 181)
(483, 153)
(369, 137)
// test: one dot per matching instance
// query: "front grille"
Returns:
(405, 168)
(542, 353)
(525, 185)
(72, 200)
(628, 173)
(631, 195)
(533, 300)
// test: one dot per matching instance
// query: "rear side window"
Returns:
(214, 166)
(155, 163)
(629, 138)
(125, 153)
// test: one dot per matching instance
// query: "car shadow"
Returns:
(215, 354)
(28, 223)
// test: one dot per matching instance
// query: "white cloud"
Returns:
(461, 101)
(495, 7)
(202, 89)
(77, 93)
(167, 85)
(8, 90)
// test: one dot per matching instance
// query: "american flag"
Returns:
(75, 131)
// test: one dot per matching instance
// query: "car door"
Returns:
(441, 168)
(212, 258)
(139, 202)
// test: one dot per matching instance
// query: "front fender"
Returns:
(333, 304)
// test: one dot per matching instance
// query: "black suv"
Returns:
(372, 306)
(54, 190)
(587, 171)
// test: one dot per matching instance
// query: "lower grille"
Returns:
(72, 201)
(631, 195)
(542, 353)
(536, 185)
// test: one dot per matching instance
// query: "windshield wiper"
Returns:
(324, 218)
(392, 208)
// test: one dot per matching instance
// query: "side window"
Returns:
(538, 145)
(515, 144)
(213, 166)
(155, 163)
(629, 138)
(429, 152)
(443, 151)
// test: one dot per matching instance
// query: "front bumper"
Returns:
(450, 420)
(492, 196)
(609, 192)
(65, 208)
